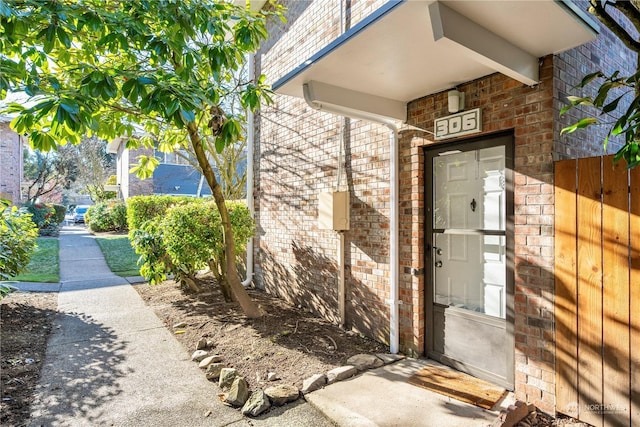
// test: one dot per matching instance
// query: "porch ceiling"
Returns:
(409, 49)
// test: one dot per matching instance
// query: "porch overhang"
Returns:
(409, 49)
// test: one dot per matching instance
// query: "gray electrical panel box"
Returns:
(333, 211)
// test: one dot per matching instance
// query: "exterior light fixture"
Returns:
(456, 101)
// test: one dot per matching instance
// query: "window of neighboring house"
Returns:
(175, 158)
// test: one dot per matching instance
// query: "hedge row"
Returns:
(107, 216)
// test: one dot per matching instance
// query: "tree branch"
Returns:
(599, 12)
(629, 9)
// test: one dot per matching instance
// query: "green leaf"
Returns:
(612, 105)
(63, 37)
(147, 80)
(188, 116)
(581, 124)
(603, 91)
(590, 77)
(172, 107)
(220, 144)
(50, 38)
(70, 106)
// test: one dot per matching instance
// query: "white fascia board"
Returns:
(114, 145)
(357, 102)
(482, 45)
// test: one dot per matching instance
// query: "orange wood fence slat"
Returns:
(589, 237)
(597, 300)
(566, 288)
(615, 301)
(634, 298)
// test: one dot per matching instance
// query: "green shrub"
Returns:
(18, 235)
(44, 216)
(154, 262)
(188, 238)
(107, 216)
(141, 209)
(59, 213)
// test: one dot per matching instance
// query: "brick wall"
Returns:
(507, 105)
(297, 155)
(607, 54)
(10, 163)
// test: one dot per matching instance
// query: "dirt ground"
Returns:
(25, 324)
(288, 341)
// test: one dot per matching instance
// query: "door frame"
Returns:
(430, 151)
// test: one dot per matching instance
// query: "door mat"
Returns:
(458, 385)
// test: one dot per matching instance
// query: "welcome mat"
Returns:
(458, 385)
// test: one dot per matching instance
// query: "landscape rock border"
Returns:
(257, 402)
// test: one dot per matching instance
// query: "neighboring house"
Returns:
(11, 162)
(448, 239)
(174, 175)
(171, 177)
(128, 184)
(179, 180)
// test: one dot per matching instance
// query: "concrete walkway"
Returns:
(111, 362)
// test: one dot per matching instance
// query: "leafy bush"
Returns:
(189, 238)
(154, 262)
(141, 209)
(107, 216)
(41, 214)
(45, 218)
(18, 235)
(59, 211)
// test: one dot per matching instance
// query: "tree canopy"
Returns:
(112, 68)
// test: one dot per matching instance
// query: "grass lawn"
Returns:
(120, 256)
(44, 266)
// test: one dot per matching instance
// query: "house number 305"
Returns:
(458, 124)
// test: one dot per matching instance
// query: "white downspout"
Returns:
(394, 323)
(250, 204)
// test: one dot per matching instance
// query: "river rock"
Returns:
(227, 375)
(202, 344)
(341, 373)
(209, 360)
(389, 358)
(362, 362)
(238, 393)
(198, 355)
(282, 393)
(213, 371)
(258, 403)
(313, 383)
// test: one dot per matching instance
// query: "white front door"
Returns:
(468, 259)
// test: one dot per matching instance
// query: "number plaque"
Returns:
(458, 124)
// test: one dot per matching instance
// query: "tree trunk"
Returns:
(250, 308)
(221, 279)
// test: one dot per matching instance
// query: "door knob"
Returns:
(438, 264)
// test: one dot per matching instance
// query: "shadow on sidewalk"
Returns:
(84, 365)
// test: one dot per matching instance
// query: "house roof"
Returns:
(178, 180)
(409, 49)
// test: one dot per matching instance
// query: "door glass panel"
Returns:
(453, 174)
(469, 201)
(492, 186)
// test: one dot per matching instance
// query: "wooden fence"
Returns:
(597, 299)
